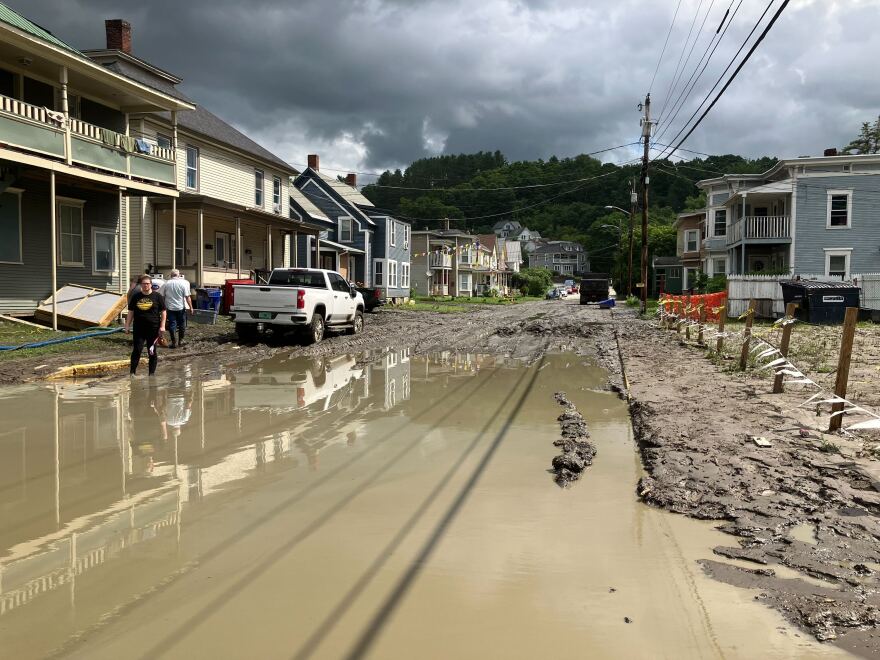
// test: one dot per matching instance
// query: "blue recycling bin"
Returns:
(208, 298)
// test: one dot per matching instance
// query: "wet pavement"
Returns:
(395, 506)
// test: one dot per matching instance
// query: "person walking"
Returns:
(146, 312)
(178, 302)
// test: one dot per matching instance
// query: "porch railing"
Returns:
(440, 260)
(759, 226)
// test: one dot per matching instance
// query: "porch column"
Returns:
(65, 109)
(200, 270)
(54, 248)
(293, 248)
(238, 245)
(269, 247)
(743, 241)
(127, 155)
(173, 235)
(174, 142)
(123, 272)
(317, 251)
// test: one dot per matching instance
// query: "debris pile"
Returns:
(577, 451)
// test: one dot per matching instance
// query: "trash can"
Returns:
(229, 293)
(208, 298)
(820, 302)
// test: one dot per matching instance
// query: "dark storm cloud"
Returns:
(378, 83)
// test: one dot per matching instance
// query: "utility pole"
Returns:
(646, 136)
(633, 200)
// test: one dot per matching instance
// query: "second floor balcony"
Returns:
(42, 132)
(440, 260)
(766, 228)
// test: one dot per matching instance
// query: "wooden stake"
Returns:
(719, 346)
(747, 336)
(687, 314)
(846, 346)
(702, 324)
(783, 347)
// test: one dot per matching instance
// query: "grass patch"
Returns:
(440, 308)
(475, 300)
(15, 334)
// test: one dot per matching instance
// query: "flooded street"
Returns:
(386, 506)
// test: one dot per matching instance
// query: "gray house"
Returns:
(815, 216)
(563, 257)
(358, 240)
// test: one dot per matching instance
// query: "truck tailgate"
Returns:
(252, 297)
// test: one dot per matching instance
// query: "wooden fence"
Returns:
(766, 291)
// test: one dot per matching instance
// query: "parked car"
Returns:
(374, 297)
(563, 290)
(305, 299)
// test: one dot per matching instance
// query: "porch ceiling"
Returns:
(228, 211)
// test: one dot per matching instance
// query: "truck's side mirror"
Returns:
(352, 291)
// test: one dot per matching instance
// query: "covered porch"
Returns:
(346, 260)
(211, 242)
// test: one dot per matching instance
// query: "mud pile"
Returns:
(577, 451)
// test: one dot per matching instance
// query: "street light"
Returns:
(611, 207)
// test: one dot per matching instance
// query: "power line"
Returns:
(683, 48)
(692, 81)
(688, 59)
(665, 43)
(735, 73)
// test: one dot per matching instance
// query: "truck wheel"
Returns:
(357, 326)
(247, 332)
(315, 333)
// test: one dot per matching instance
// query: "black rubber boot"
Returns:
(173, 342)
(180, 333)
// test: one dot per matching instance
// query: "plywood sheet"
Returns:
(82, 307)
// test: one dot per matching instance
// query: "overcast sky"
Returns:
(375, 84)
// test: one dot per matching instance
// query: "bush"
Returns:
(716, 284)
(533, 281)
(632, 301)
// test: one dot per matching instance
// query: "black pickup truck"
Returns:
(594, 287)
(373, 297)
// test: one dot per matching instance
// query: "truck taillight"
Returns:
(300, 299)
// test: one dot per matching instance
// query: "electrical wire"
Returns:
(734, 74)
(665, 43)
(689, 86)
(680, 57)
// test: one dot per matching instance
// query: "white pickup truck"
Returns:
(298, 298)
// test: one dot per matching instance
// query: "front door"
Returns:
(761, 211)
(758, 263)
(328, 261)
(343, 267)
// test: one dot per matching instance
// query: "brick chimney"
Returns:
(351, 179)
(314, 162)
(831, 152)
(118, 35)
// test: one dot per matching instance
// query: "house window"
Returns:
(378, 273)
(837, 262)
(224, 248)
(70, 226)
(10, 227)
(691, 240)
(464, 256)
(406, 230)
(719, 267)
(464, 282)
(180, 245)
(163, 141)
(103, 250)
(392, 238)
(721, 222)
(258, 188)
(839, 209)
(404, 276)
(276, 194)
(192, 168)
(392, 274)
(345, 230)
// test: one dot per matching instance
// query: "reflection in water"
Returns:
(89, 471)
(277, 512)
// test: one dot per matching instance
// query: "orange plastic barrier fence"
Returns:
(689, 306)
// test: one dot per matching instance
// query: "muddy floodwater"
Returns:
(385, 506)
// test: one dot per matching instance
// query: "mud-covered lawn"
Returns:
(802, 513)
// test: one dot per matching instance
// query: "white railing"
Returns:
(759, 226)
(28, 111)
(116, 140)
(440, 290)
(440, 260)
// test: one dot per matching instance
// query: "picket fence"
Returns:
(766, 291)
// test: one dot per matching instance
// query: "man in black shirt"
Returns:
(147, 312)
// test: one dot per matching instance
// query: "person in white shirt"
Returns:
(178, 301)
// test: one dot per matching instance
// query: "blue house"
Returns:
(361, 242)
(813, 216)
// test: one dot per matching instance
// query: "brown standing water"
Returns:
(332, 508)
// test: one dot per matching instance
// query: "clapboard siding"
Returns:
(384, 250)
(22, 286)
(811, 235)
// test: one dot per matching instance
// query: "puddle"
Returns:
(805, 532)
(337, 508)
